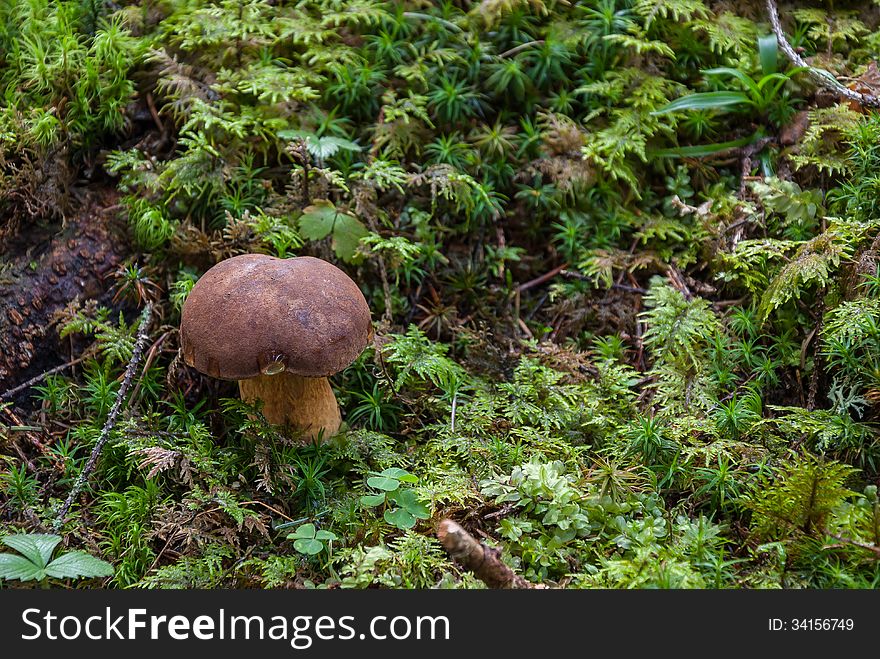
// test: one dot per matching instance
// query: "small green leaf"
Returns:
(768, 52)
(319, 147)
(78, 564)
(409, 501)
(400, 518)
(325, 535)
(323, 218)
(37, 547)
(317, 220)
(744, 79)
(704, 101)
(18, 567)
(325, 147)
(347, 234)
(701, 150)
(308, 546)
(383, 483)
(372, 500)
(306, 531)
(400, 474)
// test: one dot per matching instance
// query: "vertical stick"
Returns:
(136, 355)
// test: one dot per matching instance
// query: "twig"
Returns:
(388, 316)
(42, 376)
(524, 328)
(136, 355)
(151, 356)
(820, 77)
(729, 303)
(746, 153)
(677, 280)
(537, 306)
(537, 281)
(24, 458)
(630, 289)
(501, 512)
(572, 274)
(155, 114)
(861, 545)
(518, 49)
(817, 357)
(485, 562)
(26, 429)
(266, 505)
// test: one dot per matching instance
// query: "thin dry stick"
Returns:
(485, 562)
(537, 281)
(862, 545)
(136, 355)
(518, 49)
(266, 505)
(151, 355)
(388, 316)
(452, 416)
(820, 77)
(155, 114)
(21, 426)
(40, 377)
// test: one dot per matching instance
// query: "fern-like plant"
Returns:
(799, 497)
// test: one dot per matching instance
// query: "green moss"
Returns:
(597, 345)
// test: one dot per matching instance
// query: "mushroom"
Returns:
(279, 327)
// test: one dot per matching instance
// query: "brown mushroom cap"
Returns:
(254, 314)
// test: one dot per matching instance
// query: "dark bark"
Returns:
(42, 271)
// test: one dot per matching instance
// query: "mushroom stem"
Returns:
(307, 404)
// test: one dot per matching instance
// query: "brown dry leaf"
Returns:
(867, 83)
(159, 459)
(793, 132)
(576, 365)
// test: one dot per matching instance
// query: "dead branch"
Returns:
(847, 541)
(136, 355)
(537, 281)
(485, 562)
(518, 49)
(42, 376)
(820, 77)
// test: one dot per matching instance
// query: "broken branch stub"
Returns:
(485, 562)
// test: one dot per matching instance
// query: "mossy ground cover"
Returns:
(622, 258)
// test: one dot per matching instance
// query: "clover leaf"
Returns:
(308, 540)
